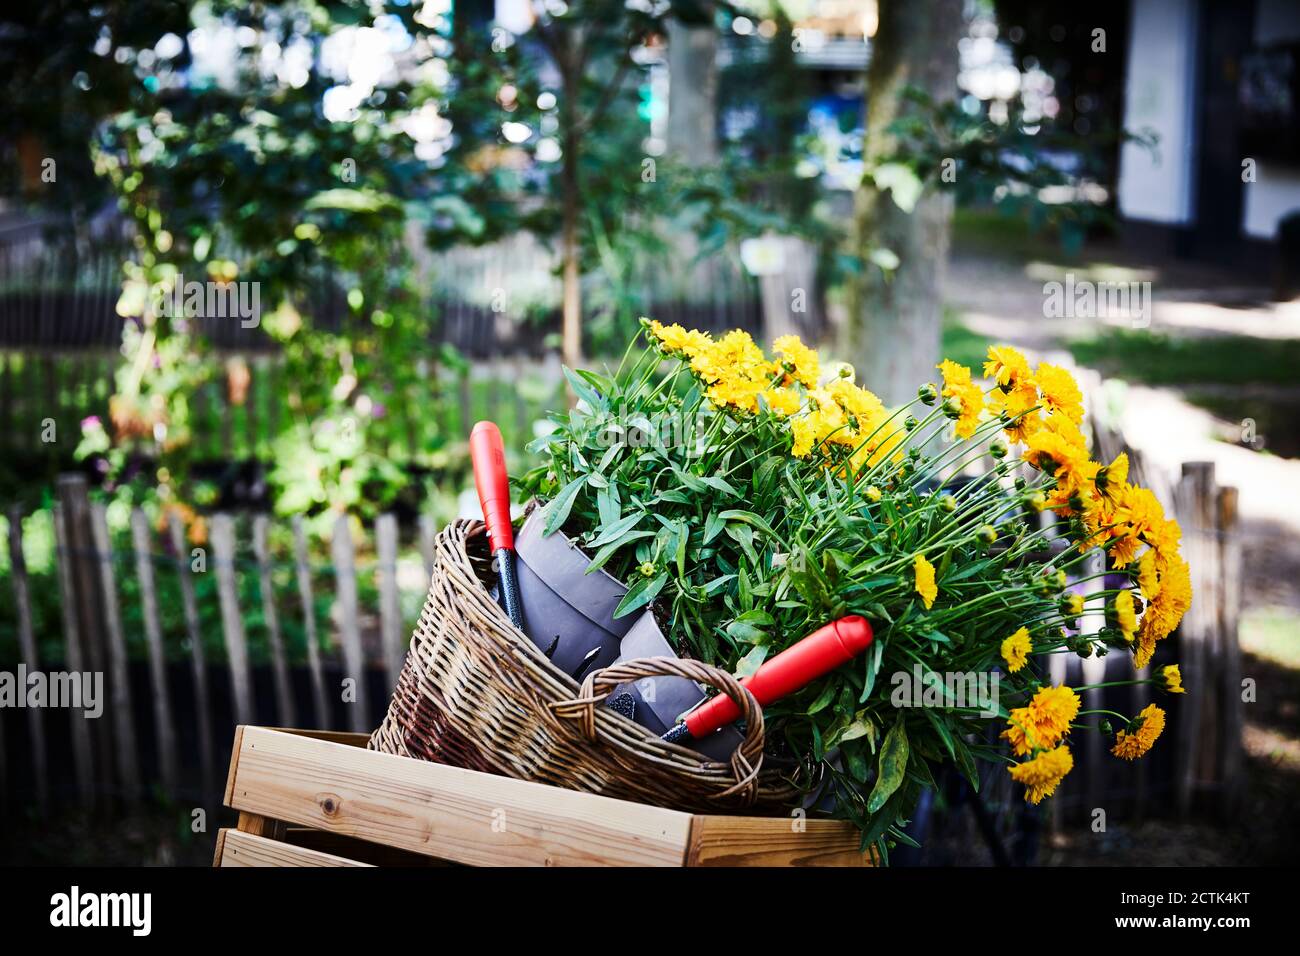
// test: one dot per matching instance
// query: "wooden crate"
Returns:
(316, 798)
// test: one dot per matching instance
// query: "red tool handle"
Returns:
(487, 453)
(819, 653)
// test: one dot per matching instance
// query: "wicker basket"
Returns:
(477, 693)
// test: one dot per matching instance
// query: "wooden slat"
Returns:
(303, 570)
(375, 854)
(390, 619)
(232, 623)
(164, 727)
(1229, 684)
(237, 849)
(279, 663)
(73, 494)
(128, 766)
(82, 752)
(1196, 513)
(198, 658)
(427, 535)
(446, 812)
(28, 655)
(773, 841)
(354, 664)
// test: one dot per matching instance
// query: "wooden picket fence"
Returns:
(1201, 766)
(109, 754)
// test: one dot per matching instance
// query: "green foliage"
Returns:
(248, 182)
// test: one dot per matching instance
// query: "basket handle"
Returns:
(747, 759)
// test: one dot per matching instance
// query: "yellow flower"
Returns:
(1125, 614)
(804, 430)
(865, 408)
(783, 401)
(1114, 477)
(1048, 451)
(1137, 739)
(873, 493)
(925, 585)
(1018, 406)
(1166, 610)
(967, 396)
(799, 361)
(1041, 775)
(1015, 649)
(1148, 578)
(1043, 722)
(1006, 366)
(1060, 391)
(1171, 679)
(1074, 605)
(734, 356)
(678, 340)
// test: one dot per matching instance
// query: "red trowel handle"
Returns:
(487, 454)
(819, 653)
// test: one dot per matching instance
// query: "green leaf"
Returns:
(558, 508)
(893, 766)
(584, 391)
(751, 519)
(640, 594)
(751, 662)
(351, 200)
(721, 484)
(823, 699)
(616, 530)
(746, 633)
(901, 181)
(604, 554)
(713, 526)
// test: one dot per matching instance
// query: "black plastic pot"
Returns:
(565, 607)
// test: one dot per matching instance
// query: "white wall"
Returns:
(1276, 190)
(1157, 186)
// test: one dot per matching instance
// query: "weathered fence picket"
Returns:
(390, 619)
(165, 730)
(232, 621)
(198, 658)
(345, 607)
(83, 580)
(82, 752)
(27, 652)
(303, 574)
(286, 711)
(119, 683)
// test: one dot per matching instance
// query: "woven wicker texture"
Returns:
(477, 693)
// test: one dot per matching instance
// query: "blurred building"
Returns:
(1219, 87)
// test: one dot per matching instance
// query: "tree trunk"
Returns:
(570, 250)
(693, 92)
(893, 333)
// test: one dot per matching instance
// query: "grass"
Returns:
(1152, 358)
(961, 344)
(1272, 633)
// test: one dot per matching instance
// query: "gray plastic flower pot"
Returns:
(571, 611)
(660, 701)
(565, 607)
